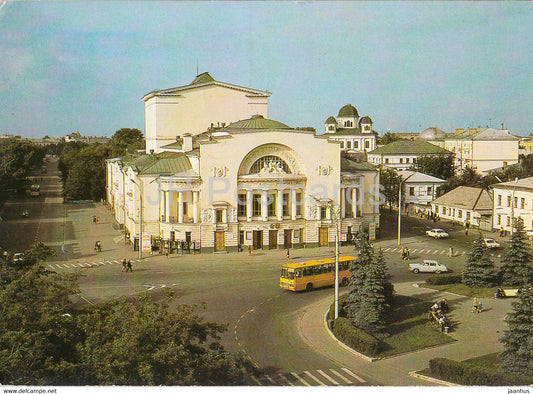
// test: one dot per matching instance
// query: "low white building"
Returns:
(419, 190)
(465, 204)
(404, 154)
(512, 200)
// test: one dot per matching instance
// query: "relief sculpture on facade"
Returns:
(207, 215)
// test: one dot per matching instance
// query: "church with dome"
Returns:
(355, 134)
(218, 176)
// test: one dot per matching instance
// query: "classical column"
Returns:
(264, 205)
(354, 202)
(180, 207)
(249, 199)
(161, 205)
(168, 196)
(293, 204)
(343, 202)
(195, 206)
(279, 208)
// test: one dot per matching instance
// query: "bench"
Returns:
(433, 317)
(510, 292)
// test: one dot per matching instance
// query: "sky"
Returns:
(85, 66)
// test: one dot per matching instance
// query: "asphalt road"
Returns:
(238, 290)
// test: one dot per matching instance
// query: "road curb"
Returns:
(360, 355)
(416, 375)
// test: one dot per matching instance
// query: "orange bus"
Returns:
(312, 274)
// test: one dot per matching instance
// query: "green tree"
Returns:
(441, 166)
(127, 138)
(390, 183)
(17, 158)
(517, 356)
(479, 270)
(387, 138)
(517, 264)
(370, 294)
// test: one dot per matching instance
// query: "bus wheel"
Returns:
(309, 287)
(345, 282)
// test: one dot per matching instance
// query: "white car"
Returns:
(18, 257)
(490, 243)
(437, 233)
(428, 266)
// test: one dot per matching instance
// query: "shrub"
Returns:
(355, 338)
(461, 373)
(444, 279)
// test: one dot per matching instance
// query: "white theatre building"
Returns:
(225, 176)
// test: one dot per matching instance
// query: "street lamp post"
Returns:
(400, 210)
(335, 213)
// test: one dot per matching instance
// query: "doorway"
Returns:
(287, 238)
(323, 236)
(220, 241)
(258, 239)
(273, 239)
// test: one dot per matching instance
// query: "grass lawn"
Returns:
(410, 329)
(459, 288)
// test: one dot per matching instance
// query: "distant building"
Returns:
(481, 149)
(355, 134)
(465, 204)
(511, 200)
(403, 154)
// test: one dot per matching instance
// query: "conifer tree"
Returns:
(518, 339)
(517, 264)
(370, 290)
(479, 270)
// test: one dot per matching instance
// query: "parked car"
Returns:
(428, 266)
(490, 243)
(437, 233)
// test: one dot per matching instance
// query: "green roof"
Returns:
(257, 122)
(348, 165)
(403, 147)
(165, 163)
(331, 120)
(348, 111)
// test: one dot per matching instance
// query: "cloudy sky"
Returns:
(84, 66)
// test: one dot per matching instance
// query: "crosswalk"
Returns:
(319, 377)
(79, 265)
(433, 252)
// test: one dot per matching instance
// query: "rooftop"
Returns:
(404, 147)
(465, 197)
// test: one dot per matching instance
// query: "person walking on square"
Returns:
(129, 267)
(124, 266)
(288, 253)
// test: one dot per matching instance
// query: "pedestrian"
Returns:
(250, 250)
(407, 254)
(475, 305)
(124, 266)
(288, 253)
(129, 267)
(166, 252)
(479, 307)
(451, 252)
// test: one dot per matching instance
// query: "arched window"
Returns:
(270, 164)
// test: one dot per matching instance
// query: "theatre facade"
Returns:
(254, 182)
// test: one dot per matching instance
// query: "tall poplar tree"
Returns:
(517, 263)
(479, 270)
(518, 339)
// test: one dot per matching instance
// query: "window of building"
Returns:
(269, 162)
(443, 210)
(348, 123)
(323, 212)
(331, 128)
(219, 215)
(508, 220)
(508, 201)
(429, 190)
(342, 144)
(299, 203)
(241, 209)
(272, 204)
(356, 144)
(401, 161)
(504, 164)
(348, 144)
(367, 144)
(468, 216)
(286, 204)
(256, 205)
(499, 199)
(522, 203)
(411, 191)
(516, 202)
(459, 213)
(407, 160)
(386, 161)
(499, 219)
